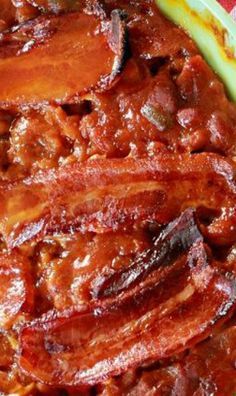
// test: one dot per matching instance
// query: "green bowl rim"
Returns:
(220, 13)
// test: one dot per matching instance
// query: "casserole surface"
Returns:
(117, 200)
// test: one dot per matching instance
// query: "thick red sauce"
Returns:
(117, 205)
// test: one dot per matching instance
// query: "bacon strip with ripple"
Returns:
(83, 348)
(53, 59)
(107, 195)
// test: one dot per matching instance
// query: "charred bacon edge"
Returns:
(174, 240)
(118, 33)
(119, 41)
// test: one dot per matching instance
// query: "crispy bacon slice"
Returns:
(177, 238)
(16, 292)
(83, 348)
(105, 195)
(54, 58)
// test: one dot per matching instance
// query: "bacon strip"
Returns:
(106, 195)
(80, 349)
(54, 59)
(16, 292)
(98, 275)
(176, 239)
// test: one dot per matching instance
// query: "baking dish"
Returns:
(212, 29)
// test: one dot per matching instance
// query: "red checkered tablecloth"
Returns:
(230, 6)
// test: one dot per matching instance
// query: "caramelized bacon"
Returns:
(91, 268)
(16, 295)
(83, 348)
(56, 57)
(71, 279)
(105, 195)
(177, 238)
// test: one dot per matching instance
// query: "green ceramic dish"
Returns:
(212, 29)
